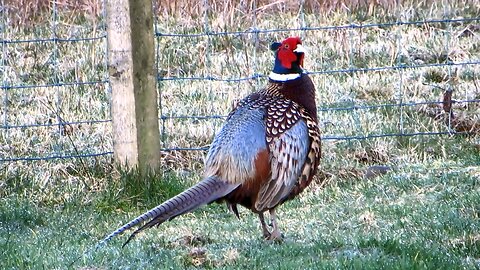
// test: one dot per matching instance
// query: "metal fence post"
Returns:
(131, 68)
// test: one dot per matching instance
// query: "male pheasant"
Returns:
(266, 153)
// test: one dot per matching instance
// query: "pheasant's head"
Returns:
(288, 56)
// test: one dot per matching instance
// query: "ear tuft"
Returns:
(275, 46)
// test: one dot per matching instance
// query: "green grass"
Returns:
(420, 216)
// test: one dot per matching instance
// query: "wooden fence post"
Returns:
(131, 64)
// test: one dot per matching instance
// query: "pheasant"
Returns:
(266, 153)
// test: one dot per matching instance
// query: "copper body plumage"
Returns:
(267, 152)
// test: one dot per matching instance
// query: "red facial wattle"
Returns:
(286, 57)
(286, 54)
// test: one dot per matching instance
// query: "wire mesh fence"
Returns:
(410, 73)
(54, 87)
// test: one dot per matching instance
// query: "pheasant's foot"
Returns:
(266, 233)
(275, 236)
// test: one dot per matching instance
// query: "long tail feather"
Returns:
(204, 192)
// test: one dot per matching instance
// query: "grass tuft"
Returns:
(21, 215)
(133, 188)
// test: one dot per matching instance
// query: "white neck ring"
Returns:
(283, 77)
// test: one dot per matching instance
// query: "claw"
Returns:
(275, 235)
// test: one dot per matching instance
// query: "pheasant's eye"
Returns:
(286, 46)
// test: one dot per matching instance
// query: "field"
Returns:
(423, 213)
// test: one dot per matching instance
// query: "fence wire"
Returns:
(44, 69)
(43, 100)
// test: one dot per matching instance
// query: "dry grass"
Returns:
(29, 13)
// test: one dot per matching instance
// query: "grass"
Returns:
(423, 214)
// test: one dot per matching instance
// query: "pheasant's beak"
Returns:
(300, 49)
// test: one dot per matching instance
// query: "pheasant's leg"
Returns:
(275, 235)
(266, 233)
